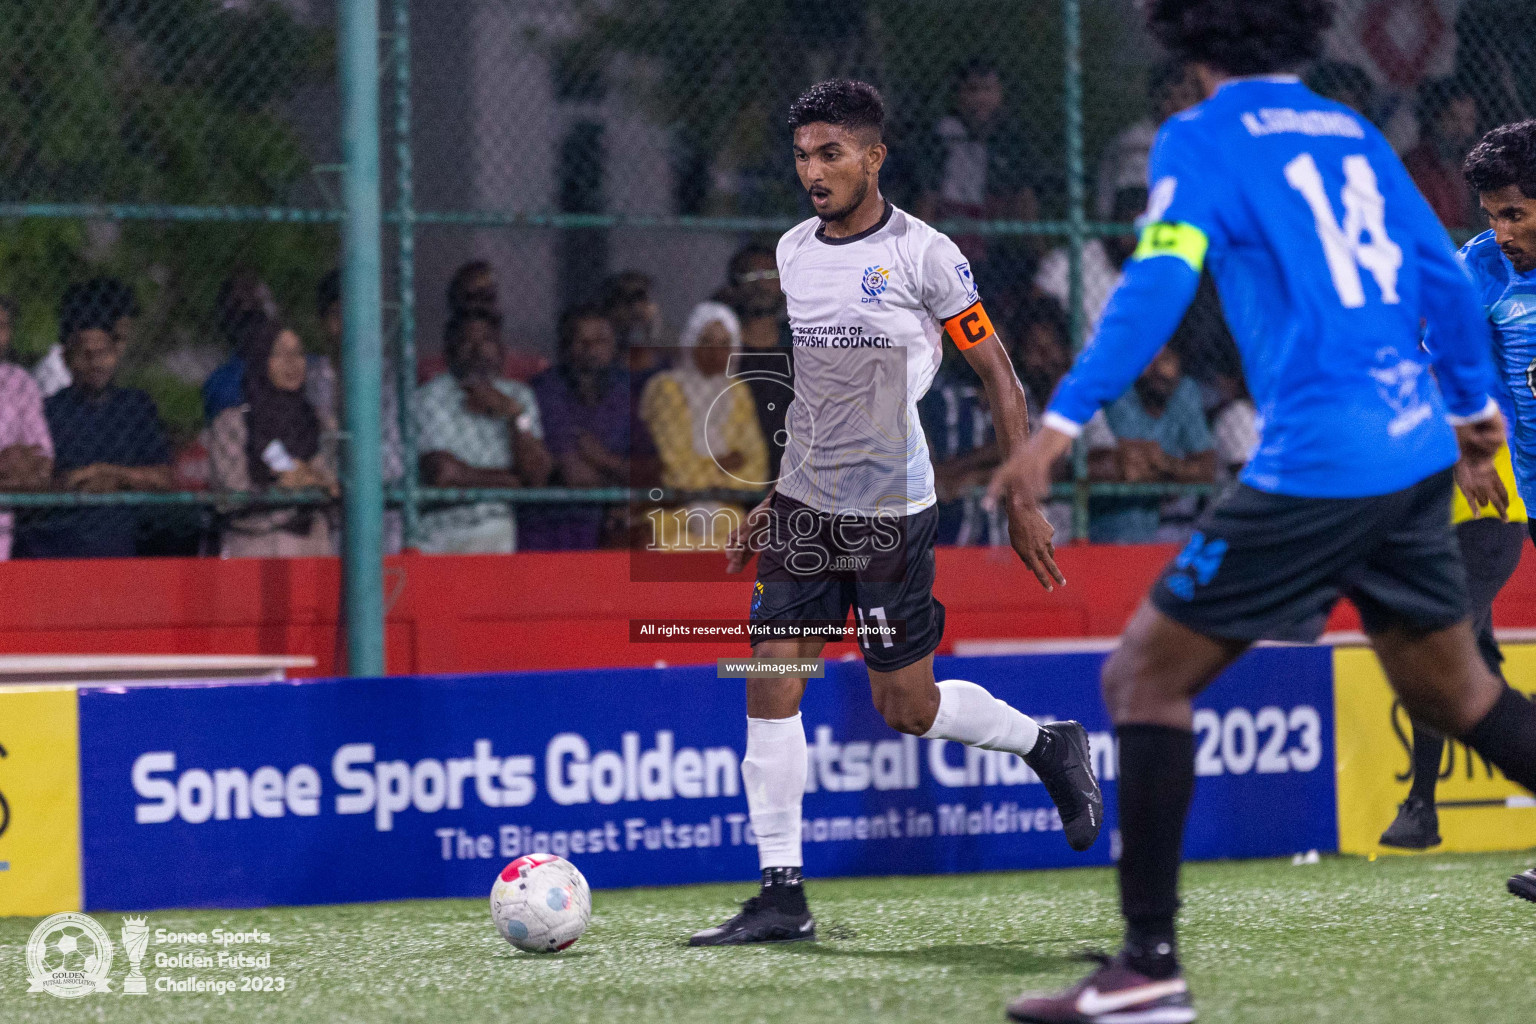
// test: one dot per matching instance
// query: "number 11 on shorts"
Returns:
(873, 619)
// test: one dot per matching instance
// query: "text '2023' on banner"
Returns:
(261, 794)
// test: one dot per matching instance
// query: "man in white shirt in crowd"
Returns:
(477, 429)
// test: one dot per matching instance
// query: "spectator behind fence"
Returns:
(702, 444)
(1102, 260)
(766, 361)
(636, 317)
(1042, 355)
(1447, 116)
(753, 293)
(105, 438)
(118, 303)
(477, 429)
(1154, 433)
(272, 440)
(963, 446)
(981, 165)
(584, 402)
(473, 286)
(961, 434)
(1205, 347)
(1124, 164)
(242, 297)
(26, 450)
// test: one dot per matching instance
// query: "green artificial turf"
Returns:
(1396, 941)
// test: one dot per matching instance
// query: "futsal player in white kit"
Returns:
(872, 292)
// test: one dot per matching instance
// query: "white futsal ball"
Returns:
(541, 903)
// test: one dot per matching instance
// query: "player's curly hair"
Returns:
(1242, 37)
(1506, 156)
(840, 101)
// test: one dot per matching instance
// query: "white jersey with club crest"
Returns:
(866, 313)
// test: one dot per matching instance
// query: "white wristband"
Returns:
(1059, 423)
(1487, 412)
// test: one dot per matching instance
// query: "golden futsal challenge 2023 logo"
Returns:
(70, 955)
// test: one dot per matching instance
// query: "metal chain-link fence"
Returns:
(565, 182)
(165, 171)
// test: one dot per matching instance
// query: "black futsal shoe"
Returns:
(1114, 993)
(1524, 885)
(759, 922)
(1416, 827)
(1064, 764)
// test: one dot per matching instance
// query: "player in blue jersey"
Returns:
(1502, 260)
(1327, 260)
(1490, 543)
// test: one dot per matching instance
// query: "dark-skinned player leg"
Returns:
(1442, 680)
(1490, 550)
(1149, 684)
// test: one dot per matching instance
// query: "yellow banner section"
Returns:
(1480, 810)
(39, 801)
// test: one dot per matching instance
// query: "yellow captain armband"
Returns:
(1461, 509)
(1163, 238)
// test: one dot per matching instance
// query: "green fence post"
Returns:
(405, 210)
(362, 537)
(1077, 225)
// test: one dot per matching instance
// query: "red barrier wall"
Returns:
(470, 614)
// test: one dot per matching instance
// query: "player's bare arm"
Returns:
(1481, 439)
(1027, 470)
(1028, 531)
(1479, 480)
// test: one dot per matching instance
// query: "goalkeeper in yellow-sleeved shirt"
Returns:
(1490, 549)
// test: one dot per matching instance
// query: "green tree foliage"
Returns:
(722, 75)
(177, 102)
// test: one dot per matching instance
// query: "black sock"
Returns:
(784, 890)
(1157, 780)
(1507, 737)
(1040, 753)
(1428, 749)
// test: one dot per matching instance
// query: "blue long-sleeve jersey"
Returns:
(1508, 299)
(1327, 261)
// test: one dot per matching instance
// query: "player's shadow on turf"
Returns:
(993, 958)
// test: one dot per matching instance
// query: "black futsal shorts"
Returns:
(1271, 566)
(816, 566)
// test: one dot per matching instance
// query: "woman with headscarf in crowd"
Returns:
(272, 441)
(705, 429)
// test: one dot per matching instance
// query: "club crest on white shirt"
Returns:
(874, 281)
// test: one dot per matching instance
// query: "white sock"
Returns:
(969, 714)
(773, 775)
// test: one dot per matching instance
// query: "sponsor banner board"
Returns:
(1479, 809)
(339, 790)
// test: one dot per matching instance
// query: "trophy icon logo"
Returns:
(135, 941)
